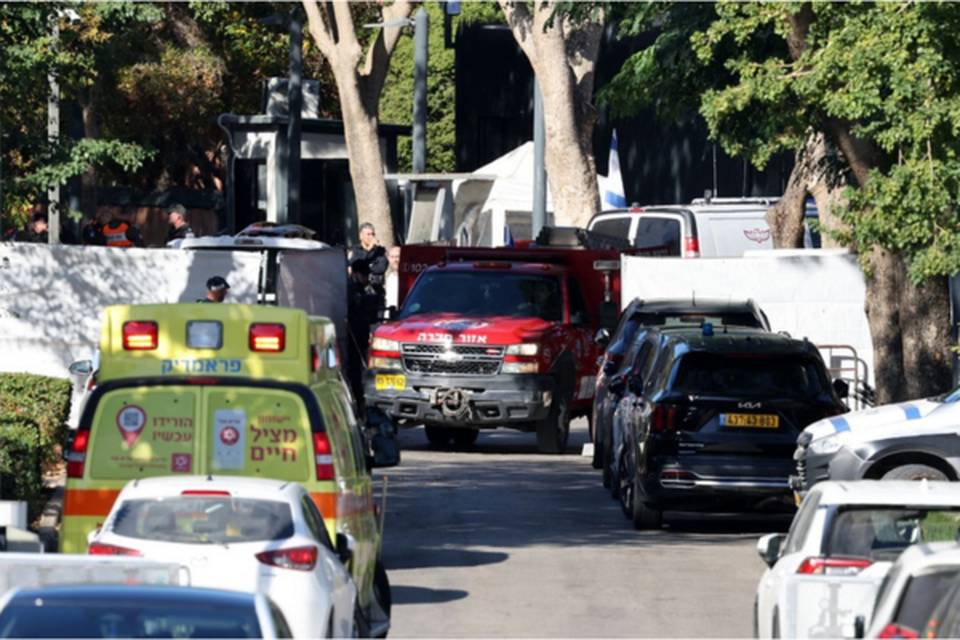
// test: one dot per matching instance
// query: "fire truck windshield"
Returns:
(486, 293)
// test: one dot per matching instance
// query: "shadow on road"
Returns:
(420, 595)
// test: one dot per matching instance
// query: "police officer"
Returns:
(179, 227)
(372, 252)
(216, 289)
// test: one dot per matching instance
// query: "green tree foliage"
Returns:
(30, 163)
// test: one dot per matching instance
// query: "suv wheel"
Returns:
(644, 516)
(622, 487)
(597, 462)
(552, 432)
(464, 437)
(437, 436)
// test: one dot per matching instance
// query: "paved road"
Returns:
(499, 541)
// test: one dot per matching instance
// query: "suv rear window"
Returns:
(658, 236)
(618, 227)
(204, 519)
(882, 533)
(754, 377)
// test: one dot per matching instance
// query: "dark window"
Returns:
(658, 236)
(480, 293)
(577, 304)
(756, 377)
(618, 227)
(921, 594)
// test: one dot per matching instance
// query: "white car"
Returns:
(826, 571)
(241, 534)
(922, 575)
(902, 441)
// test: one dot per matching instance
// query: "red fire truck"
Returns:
(489, 338)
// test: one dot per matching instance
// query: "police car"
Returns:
(902, 441)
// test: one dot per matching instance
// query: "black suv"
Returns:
(622, 349)
(715, 424)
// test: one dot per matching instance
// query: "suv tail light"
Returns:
(833, 566)
(77, 455)
(894, 630)
(99, 549)
(324, 456)
(691, 247)
(663, 418)
(299, 558)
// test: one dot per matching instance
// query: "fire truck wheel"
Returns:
(552, 432)
(464, 437)
(437, 436)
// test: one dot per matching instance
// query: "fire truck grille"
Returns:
(460, 360)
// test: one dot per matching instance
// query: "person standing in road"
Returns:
(391, 280)
(217, 288)
(179, 227)
(370, 251)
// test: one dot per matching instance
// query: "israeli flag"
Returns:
(614, 195)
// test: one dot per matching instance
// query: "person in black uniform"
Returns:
(362, 306)
(217, 288)
(372, 252)
(179, 227)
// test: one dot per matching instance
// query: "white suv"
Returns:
(706, 228)
(825, 573)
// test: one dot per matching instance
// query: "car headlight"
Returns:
(523, 349)
(826, 446)
(382, 344)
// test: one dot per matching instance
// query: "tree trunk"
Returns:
(563, 57)
(360, 79)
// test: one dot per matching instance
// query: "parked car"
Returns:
(705, 228)
(906, 440)
(714, 425)
(620, 354)
(920, 577)
(241, 534)
(138, 611)
(844, 538)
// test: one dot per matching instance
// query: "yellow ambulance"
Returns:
(229, 389)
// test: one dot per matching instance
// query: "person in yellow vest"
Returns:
(119, 231)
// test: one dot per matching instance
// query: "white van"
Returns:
(706, 228)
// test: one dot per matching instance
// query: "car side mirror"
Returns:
(81, 367)
(602, 339)
(769, 546)
(345, 546)
(841, 387)
(635, 384)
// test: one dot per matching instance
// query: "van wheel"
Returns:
(554, 430)
(464, 437)
(437, 436)
(915, 472)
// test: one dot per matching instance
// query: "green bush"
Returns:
(33, 426)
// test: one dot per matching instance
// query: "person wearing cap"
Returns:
(179, 227)
(216, 290)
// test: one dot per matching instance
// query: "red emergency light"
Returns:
(267, 337)
(140, 335)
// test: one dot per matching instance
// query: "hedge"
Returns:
(33, 427)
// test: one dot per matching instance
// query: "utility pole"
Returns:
(295, 102)
(421, 41)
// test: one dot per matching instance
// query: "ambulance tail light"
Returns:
(324, 456)
(691, 247)
(298, 558)
(100, 549)
(77, 456)
(269, 338)
(140, 335)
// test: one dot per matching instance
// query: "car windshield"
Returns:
(203, 519)
(673, 318)
(950, 396)
(486, 294)
(119, 619)
(754, 377)
(881, 533)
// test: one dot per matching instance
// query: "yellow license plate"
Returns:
(762, 420)
(395, 382)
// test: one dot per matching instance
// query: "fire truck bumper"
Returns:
(506, 400)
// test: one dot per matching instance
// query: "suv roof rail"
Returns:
(746, 200)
